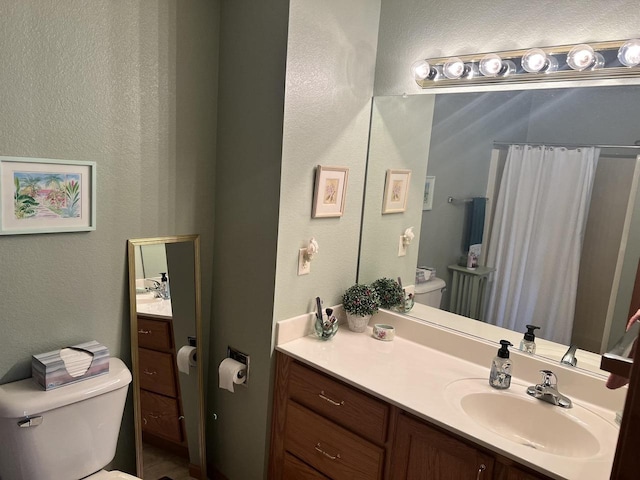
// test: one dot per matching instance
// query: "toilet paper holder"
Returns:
(238, 356)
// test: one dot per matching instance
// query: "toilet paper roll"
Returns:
(186, 358)
(231, 372)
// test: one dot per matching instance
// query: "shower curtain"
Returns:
(536, 238)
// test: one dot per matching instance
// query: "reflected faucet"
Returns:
(569, 358)
(547, 391)
(158, 289)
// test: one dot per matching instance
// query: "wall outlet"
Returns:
(402, 248)
(304, 267)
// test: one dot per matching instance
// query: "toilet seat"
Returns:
(113, 475)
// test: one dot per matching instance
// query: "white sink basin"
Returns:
(143, 298)
(575, 432)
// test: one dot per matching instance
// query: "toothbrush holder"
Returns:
(326, 327)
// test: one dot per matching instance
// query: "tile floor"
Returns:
(159, 463)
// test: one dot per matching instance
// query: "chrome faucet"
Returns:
(569, 358)
(158, 289)
(547, 391)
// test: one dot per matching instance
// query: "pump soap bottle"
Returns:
(528, 343)
(500, 376)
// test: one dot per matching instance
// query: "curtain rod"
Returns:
(536, 144)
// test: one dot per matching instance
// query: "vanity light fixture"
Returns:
(629, 53)
(601, 60)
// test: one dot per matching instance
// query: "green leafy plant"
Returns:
(24, 205)
(72, 197)
(390, 292)
(361, 300)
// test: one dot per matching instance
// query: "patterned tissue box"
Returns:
(70, 365)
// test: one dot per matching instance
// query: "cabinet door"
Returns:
(421, 452)
(513, 473)
(294, 469)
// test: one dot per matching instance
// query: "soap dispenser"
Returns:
(500, 376)
(165, 285)
(528, 343)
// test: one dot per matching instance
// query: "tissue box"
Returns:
(53, 369)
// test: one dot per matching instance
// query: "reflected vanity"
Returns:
(459, 136)
(168, 381)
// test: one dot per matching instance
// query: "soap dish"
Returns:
(384, 332)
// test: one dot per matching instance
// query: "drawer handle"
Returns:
(329, 456)
(144, 332)
(482, 468)
(147, 372)
(332, 402)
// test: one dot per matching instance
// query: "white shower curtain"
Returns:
(536, 238)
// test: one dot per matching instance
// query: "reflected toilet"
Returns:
(430, 293)
(69, 433)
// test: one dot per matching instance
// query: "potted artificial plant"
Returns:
(360, 301)
(390, 292)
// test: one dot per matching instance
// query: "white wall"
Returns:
(400, 136)
(99, 81)
(330, 67)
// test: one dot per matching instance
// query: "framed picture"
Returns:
(429, 185)
(43, 195)
(396, 191)
(330, 191)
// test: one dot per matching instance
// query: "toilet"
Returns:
(430, 293)
(68, 433)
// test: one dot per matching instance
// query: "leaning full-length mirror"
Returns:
(461, 142)
(164, 286)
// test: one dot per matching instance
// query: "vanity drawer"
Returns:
(160, 416)
(295, 469)
(328, 448)
(157, 372)
(154, 334)
(336, 401)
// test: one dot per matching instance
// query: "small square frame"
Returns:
(330, 191)
(396, 191)
(55, 195)
(429, 186)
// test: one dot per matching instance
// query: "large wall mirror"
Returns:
(168, 381)
(462, 142)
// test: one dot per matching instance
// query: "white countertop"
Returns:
(413, 375)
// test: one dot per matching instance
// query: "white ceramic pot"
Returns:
(358, 323)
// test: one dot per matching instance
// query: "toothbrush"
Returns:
(319, 308)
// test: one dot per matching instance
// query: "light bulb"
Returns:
(583, 56)
(492, 65)
(420, 70)
(536, 60)
(629, 53)
(453, 68)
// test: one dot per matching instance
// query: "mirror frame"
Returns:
(137, 414)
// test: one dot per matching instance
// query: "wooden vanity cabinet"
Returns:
(323, 428)
(160, 402)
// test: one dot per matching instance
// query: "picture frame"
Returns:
(330, 191)
(45, 195)
(429, 186)
(396, 191)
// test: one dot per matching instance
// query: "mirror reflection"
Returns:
(555, 229)
(164, 281)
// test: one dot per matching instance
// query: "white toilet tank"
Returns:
(73, 429)
(430, 293)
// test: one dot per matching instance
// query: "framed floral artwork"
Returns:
(396, 191)
(330, 191)
(43, 195)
